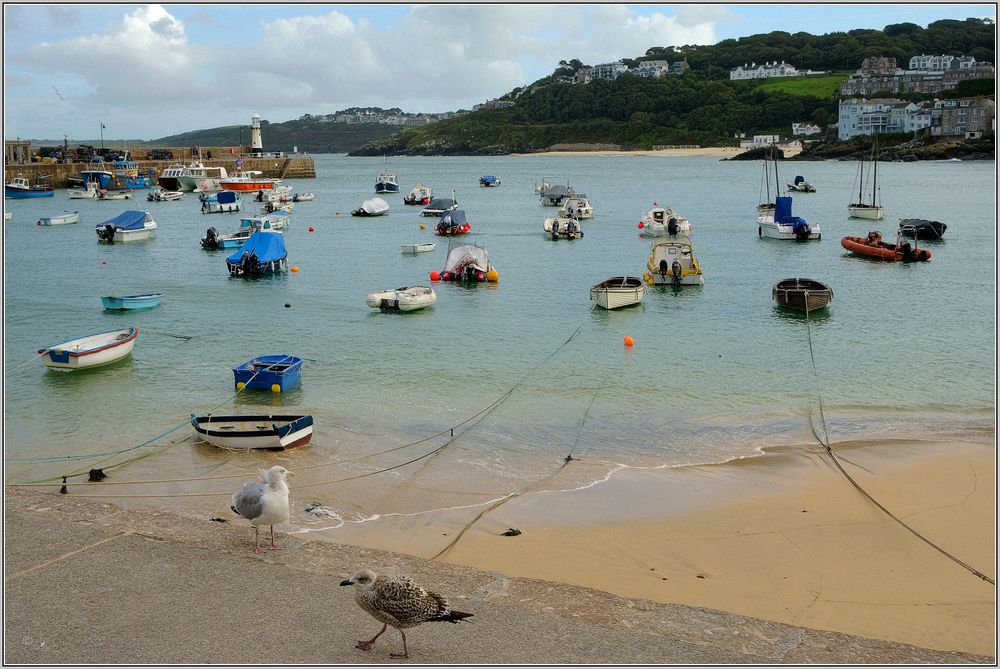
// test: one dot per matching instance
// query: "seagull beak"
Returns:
(346, 582)
(291, 473)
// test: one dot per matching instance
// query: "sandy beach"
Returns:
(783, 537)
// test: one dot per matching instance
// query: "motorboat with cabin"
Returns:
(663, 222)
(200, 178)
(577, 206)
(552, 194)
(672, 262)
(128, 226)
(169, 178)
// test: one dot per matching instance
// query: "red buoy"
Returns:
(435, 276)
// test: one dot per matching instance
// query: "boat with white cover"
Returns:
(418, 248)
(373, 207)
(407, 298)
(419, 194)
(93, 350)
(617, 292)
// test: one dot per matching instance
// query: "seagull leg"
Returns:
(367, 645)
(256, 536)
(273, 545)
(406, 653)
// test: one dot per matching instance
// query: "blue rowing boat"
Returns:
(276, 373)
(140, 301)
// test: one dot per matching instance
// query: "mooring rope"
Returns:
(825, 442)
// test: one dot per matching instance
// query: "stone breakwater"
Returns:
(298, 167)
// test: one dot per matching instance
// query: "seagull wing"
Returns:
(249, 500)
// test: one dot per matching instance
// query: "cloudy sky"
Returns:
(148, 71)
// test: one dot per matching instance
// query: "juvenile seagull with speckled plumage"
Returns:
(398, 601)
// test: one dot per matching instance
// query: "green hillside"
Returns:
(820, 86)
(310, 136)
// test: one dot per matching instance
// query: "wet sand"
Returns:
(783, 537)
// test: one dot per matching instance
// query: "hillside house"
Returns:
(881, 115)
(806, 129)
(962, 116)
(608, 70)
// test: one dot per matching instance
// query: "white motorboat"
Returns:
(200, 179)
(418, 248)
(419, 194)
(221, 202)
(60, 219)
(93, 350)
(800, 185)
(274, 222)
(169, 178)
(160, 195)
(114, 195)
(373, 207)
(617, 292)
(303, 197)
(782, 225)
(90, 191)
(129, 226)
(577, 206)
(663, 222)
(407, 298)
(562, 227)
(672, 261)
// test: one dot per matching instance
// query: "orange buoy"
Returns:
(435, 276)
(295, 268)
(629, 341)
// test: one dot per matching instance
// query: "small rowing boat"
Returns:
(617, 292)
(255, 432)
(802, 294)
(93, 350)
(132, 302)
(407, 298)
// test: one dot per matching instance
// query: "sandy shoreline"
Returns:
(783, 537)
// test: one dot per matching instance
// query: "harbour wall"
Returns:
(292, 167)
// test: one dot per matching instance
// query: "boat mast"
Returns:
(774, 155)
(861, 177)
(875, 162)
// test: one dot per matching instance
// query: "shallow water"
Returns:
(717, 372)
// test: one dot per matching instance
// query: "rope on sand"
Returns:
(825, 443)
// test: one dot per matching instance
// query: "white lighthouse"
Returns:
(256, 145)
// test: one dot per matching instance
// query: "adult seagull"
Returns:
(264, 502)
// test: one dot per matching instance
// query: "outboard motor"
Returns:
(672, 226)
(907, 249)
(675, 272)
(211, 240)
(571, 228)
(664, 267)
(107, 233)
(801, 230)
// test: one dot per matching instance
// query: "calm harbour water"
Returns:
(717, 372)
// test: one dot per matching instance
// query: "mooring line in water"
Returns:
(825, 443)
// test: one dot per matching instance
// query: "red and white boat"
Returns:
(250, 180)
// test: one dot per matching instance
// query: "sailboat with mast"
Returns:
(766, 207)
(775, 219)
(870, 210)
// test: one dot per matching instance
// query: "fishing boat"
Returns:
(800, 185)
(438, 206)
(95, 172)
(169, 178)
(20, 188)
(249, 180)
(468, 263)
(131, 302)
(618, 292)
(577, 206)
(407, 298)
(562, 227)
(89, 191)
(386, 182)
(60, 219)
(198, 178)
(419, 194)
(417, 248)
(276, 373)
(105, 194)
(268, 432)
(303, 197)
(221, 202)
(159, 195)
(373, 207)
(872, 246)
(920, 228)
(871, 210)
(125, 174)
(672, 261)
(262, 253)
(663, 222)
(128, 226)
(802, 294)
(489, 181)
(782, 225)
(452, 223)
(92, 350)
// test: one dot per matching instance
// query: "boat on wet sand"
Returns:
(280, 432)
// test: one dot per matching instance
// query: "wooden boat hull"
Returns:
(276, 373)
(804, 295)
(132, 302)
(866, 211)
(881, 251)
(91, 351)
(409, 298)
(255, 432)
(62, 219)
(618, 292)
